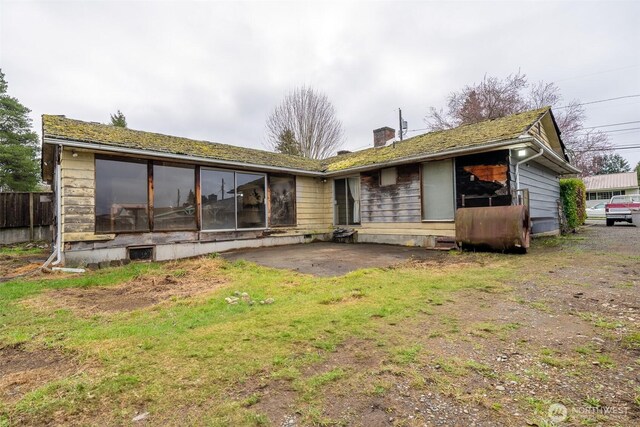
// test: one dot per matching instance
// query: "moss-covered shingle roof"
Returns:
(60, 127)
(472, 135)
(476, 134)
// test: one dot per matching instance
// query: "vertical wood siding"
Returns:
(78, 192)
(391, 203)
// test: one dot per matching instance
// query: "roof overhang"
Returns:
(549, 159)
(110, 149)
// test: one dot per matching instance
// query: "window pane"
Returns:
(250, 197)
(353, 199)
(340, 202)
(282, 191)
(218, 201)
(437, 190)
(121, 196)
(347, 201)
(174, 197)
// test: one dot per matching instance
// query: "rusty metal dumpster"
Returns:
(500, 228)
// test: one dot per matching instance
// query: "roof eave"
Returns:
(166, 155)
(522, 139)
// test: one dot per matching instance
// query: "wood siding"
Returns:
(78, 193)
(399, 203)
(314, 204)
(443, 228)
(544, 195)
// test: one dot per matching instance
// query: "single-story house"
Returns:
(126, 194)
(604, 187)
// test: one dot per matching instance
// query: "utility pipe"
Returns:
(58, 245)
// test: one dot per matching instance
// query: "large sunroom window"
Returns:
(174, 197)
(232, 200)
(121, 196)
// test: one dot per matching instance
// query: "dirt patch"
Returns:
(333, 259)
(22, 371)
(22, 258)
(135, 294)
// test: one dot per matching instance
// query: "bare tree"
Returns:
(494, 97)
(305, 123)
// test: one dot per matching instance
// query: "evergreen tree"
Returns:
(118, 119)
(613, 163)
(287, 143)
(19, 169)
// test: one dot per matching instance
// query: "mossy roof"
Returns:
(61, 127)
(432, 143)
(472, 135)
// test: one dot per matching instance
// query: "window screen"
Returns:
(121, 196)
(437, 190)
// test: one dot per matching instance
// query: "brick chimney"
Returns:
(382, 135)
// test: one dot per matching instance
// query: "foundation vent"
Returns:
(141, 253)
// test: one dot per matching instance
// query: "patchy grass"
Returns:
(202, 345)
(477, 332)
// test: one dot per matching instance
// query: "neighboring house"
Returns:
(604, 187)
(124, 193)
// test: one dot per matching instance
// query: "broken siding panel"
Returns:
(392, 203)
(78, 193)
(312, 210)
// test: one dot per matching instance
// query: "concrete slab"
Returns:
(331, 259)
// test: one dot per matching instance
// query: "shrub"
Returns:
(573, 196)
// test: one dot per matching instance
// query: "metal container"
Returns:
(500, 228)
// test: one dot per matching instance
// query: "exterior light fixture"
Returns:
(522, 153)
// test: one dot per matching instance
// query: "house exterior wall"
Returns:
(82, 245)
(313, 204)
(393, 214)
(78, 194)
(544, 196)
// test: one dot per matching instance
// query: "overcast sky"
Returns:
(214, 70)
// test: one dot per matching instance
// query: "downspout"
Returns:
(524, 161)
(58, 208)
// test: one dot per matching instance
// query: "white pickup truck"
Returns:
(619, 208)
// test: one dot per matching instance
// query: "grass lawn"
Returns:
(194, 358)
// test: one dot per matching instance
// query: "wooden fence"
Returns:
(26, 210)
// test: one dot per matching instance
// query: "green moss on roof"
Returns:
(476, 134)
(75, 130)
(432, 143)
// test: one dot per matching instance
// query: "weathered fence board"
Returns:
(18, 209)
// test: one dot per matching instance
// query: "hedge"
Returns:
(573, 196)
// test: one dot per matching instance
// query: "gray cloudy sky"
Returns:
(214, 70)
